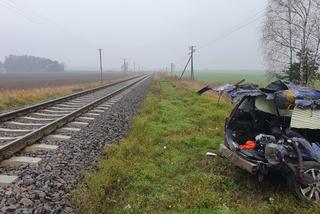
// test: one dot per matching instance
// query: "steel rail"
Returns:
(12, 147)
(30, 109)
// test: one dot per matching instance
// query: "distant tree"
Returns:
(291, 37)
(311, 68)
(27, 63)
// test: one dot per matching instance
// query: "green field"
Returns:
(230, 76)
(259, 78)
(227, 76)
(161, 166)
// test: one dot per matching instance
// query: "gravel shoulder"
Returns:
(46, 187)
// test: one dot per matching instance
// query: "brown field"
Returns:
(39, 80)
(19, 90)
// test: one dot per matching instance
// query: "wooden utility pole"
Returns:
(100, 54)
(192, 50)
(185, 67)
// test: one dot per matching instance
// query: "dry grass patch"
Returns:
(12, 99)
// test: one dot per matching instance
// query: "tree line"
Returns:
(25, 63)
(291, 38)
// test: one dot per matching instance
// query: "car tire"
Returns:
(307, 193)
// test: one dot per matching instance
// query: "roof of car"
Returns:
(305, 97)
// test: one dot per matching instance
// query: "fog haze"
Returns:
(151, 33)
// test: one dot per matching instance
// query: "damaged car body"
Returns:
(276, 128)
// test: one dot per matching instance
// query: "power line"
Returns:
(30, 12)
(24, 12)
(240, 26)
(19, 12)
(36, 18)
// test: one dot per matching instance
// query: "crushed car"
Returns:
(275, 129)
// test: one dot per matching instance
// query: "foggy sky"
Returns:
(152, 33)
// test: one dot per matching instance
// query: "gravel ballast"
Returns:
(45, 188)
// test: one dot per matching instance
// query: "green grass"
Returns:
(161, 165)
(230, 76)
(257, 78)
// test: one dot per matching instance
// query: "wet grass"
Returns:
(162, 167)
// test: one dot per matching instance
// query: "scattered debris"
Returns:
(211, 154)
(271, 200)
(128, 207)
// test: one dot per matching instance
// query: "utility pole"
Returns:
(134, 67)
(185, 67)
(124, 65)
(192, 50)
(171, 68)
(100, 50)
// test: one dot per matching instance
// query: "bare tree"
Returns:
(291, 35)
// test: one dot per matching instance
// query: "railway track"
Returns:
(21, 129)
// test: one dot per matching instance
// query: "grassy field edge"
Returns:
(161, 165)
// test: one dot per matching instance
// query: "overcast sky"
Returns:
(152, 33)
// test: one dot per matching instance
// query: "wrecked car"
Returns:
(276, 128)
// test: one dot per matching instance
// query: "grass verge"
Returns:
(162, 167)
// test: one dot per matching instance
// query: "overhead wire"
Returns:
(36, 18)
(21, 13)
(238, 27)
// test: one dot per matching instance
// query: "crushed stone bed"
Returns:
(45, 188)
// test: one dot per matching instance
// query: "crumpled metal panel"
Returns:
(305, 119)
(306, 98)
(236, 93)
